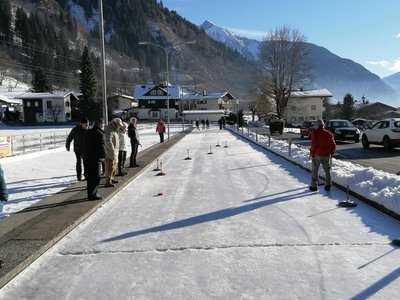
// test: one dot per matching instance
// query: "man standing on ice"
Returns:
(323, 147)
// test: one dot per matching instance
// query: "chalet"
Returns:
(9, 105)
(305, 105)
(375, 110)
(152, 101)
(46, 107)
(211, 106)
(122, 106)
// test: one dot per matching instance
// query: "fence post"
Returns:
(256, 136)
(40, 141)
(23, 144)
(269, 140)
(290, 146)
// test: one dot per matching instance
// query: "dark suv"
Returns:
(343, 130)
(307, 128)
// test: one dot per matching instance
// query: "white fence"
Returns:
(39, 141)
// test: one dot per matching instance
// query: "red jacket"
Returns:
(160, 127)
(322, 143)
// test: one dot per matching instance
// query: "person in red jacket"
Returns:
(323, 147)
(161, 130)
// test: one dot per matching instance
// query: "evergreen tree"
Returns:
(40, 82)
(348, 109)
(87, 76)
(5, 21)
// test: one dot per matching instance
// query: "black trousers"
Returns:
(132, 160)
(121, 161)
(78, 156)
(93, 176)
(161, 137)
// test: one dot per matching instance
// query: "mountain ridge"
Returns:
(339, 75)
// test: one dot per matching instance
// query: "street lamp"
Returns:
(103, 64)
(166, 60)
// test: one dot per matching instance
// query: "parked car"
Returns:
(343, 130)
(307, 128)
(385, 132)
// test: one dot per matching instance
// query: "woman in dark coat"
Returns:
(94, 153)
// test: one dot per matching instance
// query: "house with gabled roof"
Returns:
(46, 107)
(152, 101)
(211, 106)
(304, 105)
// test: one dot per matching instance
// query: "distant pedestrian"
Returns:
(220, 123)
(133, 134)
(197, 124)
(3, 190)
(123, 149)
(224, 123)
(93, 156)
(207, 124)
(323, 147)
(203, 124)
(161, 130)
(111, 139)
(77, 134)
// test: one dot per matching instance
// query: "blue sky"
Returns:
(365, 31)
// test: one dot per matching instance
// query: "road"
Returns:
(375, 156)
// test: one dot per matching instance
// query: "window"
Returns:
(28, 104)
(153, 93)
(160, 93)
(36, 104)
(67, 103)
(154, 114)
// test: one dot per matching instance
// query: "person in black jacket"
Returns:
(78, 135)
(93, 154)
(133, 135)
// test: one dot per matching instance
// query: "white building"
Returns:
(46, 107)
(305, 105)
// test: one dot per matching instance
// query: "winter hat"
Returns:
(118, 122)
(320, 122)
(84, 120)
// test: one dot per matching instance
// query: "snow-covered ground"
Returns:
(236, 223)
(31, 178)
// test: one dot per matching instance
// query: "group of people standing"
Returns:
(103, 150)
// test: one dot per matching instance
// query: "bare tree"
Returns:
(284, 58)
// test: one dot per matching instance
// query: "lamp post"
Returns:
(167, 70)
(103, 65)
(166, 60)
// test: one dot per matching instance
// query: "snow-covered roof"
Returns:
(9, 101)
(207, 96)
(43, 95)
(140, 91)
(198, 112)
(311, 93)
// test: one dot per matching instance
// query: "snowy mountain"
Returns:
(393, 81)
(247, 47)
(339, 75)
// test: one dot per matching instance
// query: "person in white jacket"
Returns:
(123, 149)
(111, 142)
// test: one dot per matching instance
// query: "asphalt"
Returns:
(29, 233)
